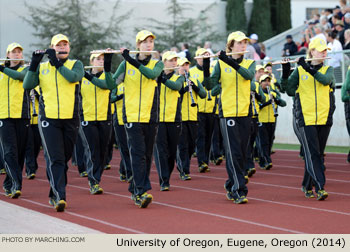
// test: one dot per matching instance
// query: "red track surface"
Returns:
(276, 203)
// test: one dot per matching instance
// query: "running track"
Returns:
(276, 203)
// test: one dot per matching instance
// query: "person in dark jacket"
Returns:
(290, 48)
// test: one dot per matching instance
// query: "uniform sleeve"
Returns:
(14, 74)
(175, 85)
(103, 83)
(152, 73)
(327, 78)
(216, 90)
(291, 84)
(31, 79)
(249, 73)
(74, 75)
(202, 93)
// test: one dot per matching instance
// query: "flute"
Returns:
(193, 103)
(11, 59)
(45, 52)
(295, 61)
(119, 52)
(275, 113)
(171, 68)
(217, 55)
(90, 67)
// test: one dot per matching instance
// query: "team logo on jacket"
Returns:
(45, 71)
(195, 76)
(1, 76)
(86, 82)
(131, 72)
(304, 77)
(228, 70)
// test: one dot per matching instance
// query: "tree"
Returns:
(180, 28)
(280, 15)
(260, 21)
(236, 19)
(73, 18)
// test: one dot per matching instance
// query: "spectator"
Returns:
(174, 49)
(346, 21)
(319, 33)
(262, 51)
(207, 46)
(329, 13)
(302, 47)
(254, 42)
(339, 27)
(185, 53)
(290, 48)
(325, 24)
(347, 39)
(335, 61)
(337, 12)
(335, 19)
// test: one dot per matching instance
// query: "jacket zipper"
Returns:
(236, 94)
(164, 104)
(58, 100)
(95, 105)
(8, 96)
(140, 98)
(315, 100)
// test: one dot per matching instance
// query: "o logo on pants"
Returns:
(44, 124)
(259, 124)
(1, 123)
(231, 123)
(128, 125)
(84, 123)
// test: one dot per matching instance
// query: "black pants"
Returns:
(347, 115)
(266, 136)
(314, 139)
(186, 146)
(141, 138)
(95, 137)
(217, 146)
(236, 133)
(165, 150)
(205, 133)
(13, 139)
(110, 147)
(78, 154)
(125, 162)
(58, 137)
(249, 163)
(32, 149)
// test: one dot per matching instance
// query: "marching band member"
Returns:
(345, 97)
(206, 115)
(58, 80)
(14, 119)
(267, 121)
(192, 88)
(313, 87)
(235, 75)
(33, 140)
(96, 118)
(169, 120)
(140, 112)
(125, 173)
(259, 97)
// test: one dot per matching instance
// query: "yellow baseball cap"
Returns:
(258, 67)
(201, 51)
(237, 36)
(168, 55)
(268, 64)
(12, 46)
(57, 38)
(264, 77)
(319, 44)
(182, 61)
(142, 35)
(95, 55)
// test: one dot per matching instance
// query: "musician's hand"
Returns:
(307, 68)
(88, 76)
(182, 70)
(2, 68)
(222, 55)
(285, 70)
(127, 57)
(195, 88)
(107, 63)
(36, 58)
(53, 59)
(229, 60)
(163, 77)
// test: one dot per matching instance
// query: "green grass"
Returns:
(337, 149)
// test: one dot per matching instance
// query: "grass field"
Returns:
(334, 149)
